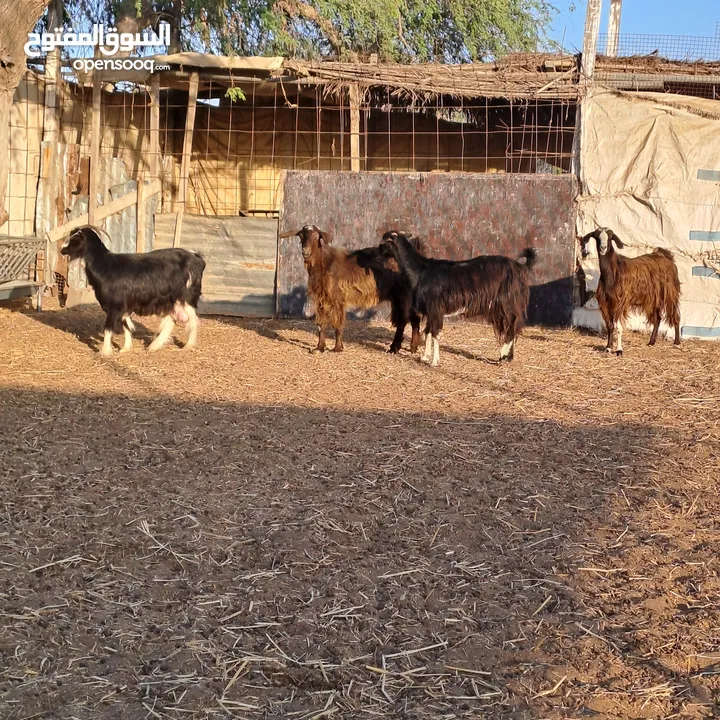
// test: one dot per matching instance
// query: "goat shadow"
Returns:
(86, 324)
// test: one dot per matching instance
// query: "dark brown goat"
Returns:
(648, 283)
(339, 280)
(492, 287)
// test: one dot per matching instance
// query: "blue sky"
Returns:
(661, 17)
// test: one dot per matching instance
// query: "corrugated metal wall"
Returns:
(240, 253)
(458, 216)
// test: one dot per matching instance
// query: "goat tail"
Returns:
(665, 253)
(530, 256)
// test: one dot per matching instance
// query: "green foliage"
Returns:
(400, 30)
(397, 30)
(235, 94)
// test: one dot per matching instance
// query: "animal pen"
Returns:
(215, 153)
(249, 530)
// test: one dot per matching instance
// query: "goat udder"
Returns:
(178, 313)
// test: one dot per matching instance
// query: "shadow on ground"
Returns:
(190, 559)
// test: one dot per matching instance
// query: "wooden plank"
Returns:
(614, 28)
(354, 127)
(592, 27)
(187, 151)
(95, 148)
(140, 218)
(103, 211)
(177, 232)
(155, 127)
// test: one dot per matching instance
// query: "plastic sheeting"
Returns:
(650, 171)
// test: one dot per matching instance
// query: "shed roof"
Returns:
(515, 76)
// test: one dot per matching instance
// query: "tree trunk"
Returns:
(175, 42)
(17, 19)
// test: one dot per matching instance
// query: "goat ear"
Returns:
(325, 237)
(617, 240)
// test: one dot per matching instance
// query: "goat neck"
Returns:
(608, 262)
(411, 262)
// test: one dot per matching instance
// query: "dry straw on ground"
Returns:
(251, 531)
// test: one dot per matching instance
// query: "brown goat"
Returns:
(649, 283)
(338, 279)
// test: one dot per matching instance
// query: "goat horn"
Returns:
(288, 233)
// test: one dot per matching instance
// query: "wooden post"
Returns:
(140, 219)
(53, 77)
(592, 27)
(614, 28)
(187, 150)
(154, 126)
(95, 147)
(355, 127)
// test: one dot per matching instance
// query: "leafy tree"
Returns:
(400, 30)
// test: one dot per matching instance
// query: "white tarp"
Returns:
(650, 171)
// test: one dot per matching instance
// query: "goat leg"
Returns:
(321, 339)
(507, 351)
(618, 336)
(113, 323)
(107, 350)
(166, 327)
(415, 339)
(656, 325)
(428, 348)
(397, 340)
(128, 329)
(436, 352)
(610, 347)
(338, 340)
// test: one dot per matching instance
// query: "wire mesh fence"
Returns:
(685, 48)
(683, 65)
(239, 149)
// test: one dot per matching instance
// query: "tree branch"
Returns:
(297, 8)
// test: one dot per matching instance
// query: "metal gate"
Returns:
(241, 257)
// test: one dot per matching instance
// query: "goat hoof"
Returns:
(618, 353)
(338, 349)
(106, 354)
(124, 350)
(393, 350)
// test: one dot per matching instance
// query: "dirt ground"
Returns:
(248, 530)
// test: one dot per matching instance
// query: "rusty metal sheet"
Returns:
(458, 215)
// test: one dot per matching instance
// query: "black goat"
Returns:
(394, 286)
(162, 282)
(493, 287)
